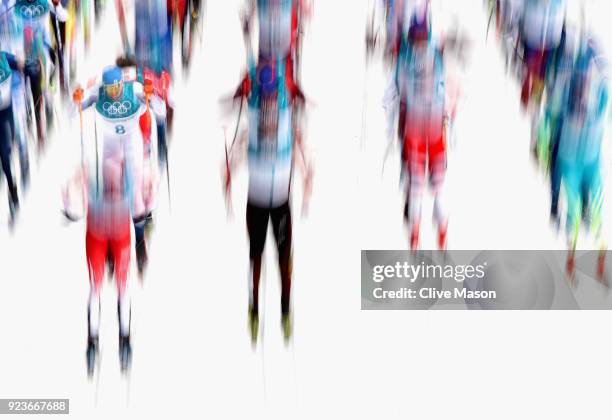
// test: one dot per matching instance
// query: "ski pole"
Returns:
(166, 158)
(228, 180)
(489, 21)
(387, 154)
(78, 98)
(168, 176)
(97, 158)
(237, 124)
(122, 26)
(60, 47)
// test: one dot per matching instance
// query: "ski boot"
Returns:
(110, 263)
(91, 355)
(442, 230)
(555, 221)
(125, 353)
(24, 166)
(414, 238)
(586, 216)
(570, 267)
(287, 326)
(13, 210)
(601, 267)
(253, 326)
(141, 256)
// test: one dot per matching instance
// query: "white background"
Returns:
(192, 356)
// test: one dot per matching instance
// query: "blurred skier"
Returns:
(395, 15)
(114, 191)
(188, 16)
(58, 17)
(273, 145)
(508, 14)
(419, 86)
(33, 20)
(11, 41)
(579, 149)
(156, 97)
(556, 98)
(9, 64)
(541, 27)
(281, 23)
(153, 56)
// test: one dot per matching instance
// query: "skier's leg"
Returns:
(35, 74)
(571, 182)
(95, 249)
(62, 56)
(257, 225)
(417, 182)
(540, 74)
(282, 228)
(593, 194)
(53, 50)
(555, 173)
(120, 249)
(185, 41)
(595, 205)
(536, 119)
(6, 140)
(162, 145)
(281, 225)
(141, 244)
(405, 170)
(401, 123)
(414, 153)
(168, 41)
(20, 126)
(587, 189)
(526, 86)
(437, 172)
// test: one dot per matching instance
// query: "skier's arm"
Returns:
(156, 104)
(300, 147)
(250, 7)
(302, 157)
(91, 97)
(302, 160)
(391, 103)
(238, 154)
(235, 154)
(250, 57)
(74, 195)
(81, 100)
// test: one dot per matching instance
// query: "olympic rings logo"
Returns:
(117, 108)
(32, 10)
